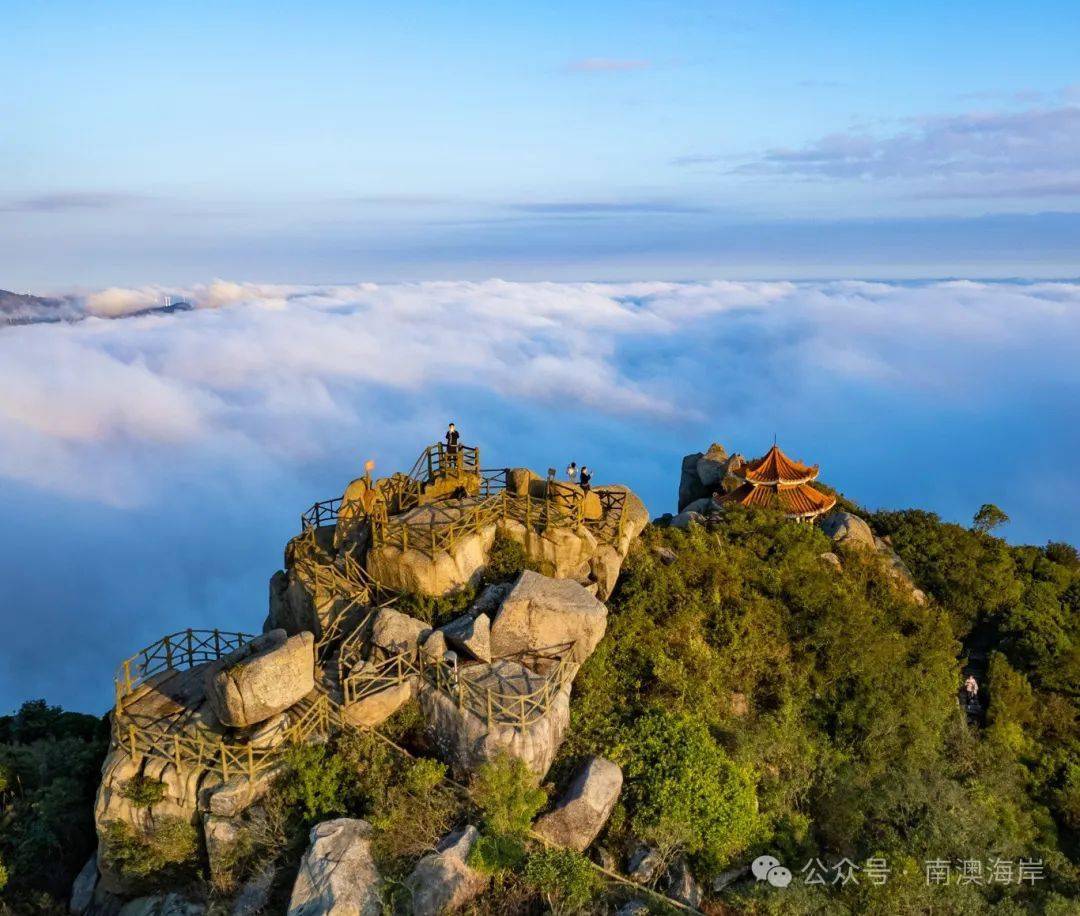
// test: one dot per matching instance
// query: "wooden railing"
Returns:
(494, 706)
(184, 742)
(321, 515)
(439, 461)
(175, 652)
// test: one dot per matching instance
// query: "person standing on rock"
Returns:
(452, 438)
(586, 478)
(571, 472)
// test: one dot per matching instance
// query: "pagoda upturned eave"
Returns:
(774, 467)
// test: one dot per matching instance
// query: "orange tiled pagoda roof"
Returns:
(775, 467)
(774, 481)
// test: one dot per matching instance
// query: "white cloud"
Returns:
(273, 371)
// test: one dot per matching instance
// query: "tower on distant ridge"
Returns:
(775, 481)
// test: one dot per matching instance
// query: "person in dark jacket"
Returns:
(586, 478)
(452, 439)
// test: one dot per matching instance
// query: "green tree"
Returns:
(505, 791)
(685, 791)
(988, 518)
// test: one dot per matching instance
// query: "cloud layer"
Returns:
(151, 468)
(1029, 153)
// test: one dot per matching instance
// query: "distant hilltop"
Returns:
(24, 308)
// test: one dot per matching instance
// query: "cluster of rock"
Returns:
(850, 532)
(703, 474)
(254, 694)
(520, 639)
(338, 875)
(563, 551)
(535, 621)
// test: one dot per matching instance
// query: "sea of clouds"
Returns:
(152, 467)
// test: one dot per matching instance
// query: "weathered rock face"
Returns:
(712, 466)
(180, 800)
(230, 798)
(442, 881)
(705, 473)
(221, 835)
(299, 600)
(471, 634)
(263, 678)
(682, 886)
(464, 740)
(582, 812)
(540, 613)
(82, 890)
(684, 519)
(447, 571)
(394, 632)
(376, 708)
(337, 873)
(644, 864)
(690, 486)
(849, 530)
(255, 894)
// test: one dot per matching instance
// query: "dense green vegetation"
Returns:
(759, 701)
(50, 763)
(831, 701)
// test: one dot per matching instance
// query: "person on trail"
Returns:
(971, 688)
(452, 438)
(571, 472)
(586, 478)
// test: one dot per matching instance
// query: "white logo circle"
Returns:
(762, 865)
(779, 876)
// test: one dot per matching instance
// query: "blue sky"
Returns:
(344, 141)
(335, 186)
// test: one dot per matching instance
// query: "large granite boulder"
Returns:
(684, 520)
(682, 886)
(706, 473)
(712, 467)
(541, 613)
(442, 881)
(438, 573)
(263, 678)
(581, 813)
(690, 486)
(393, 632)
(849, 530)
(337, 875)
(471, 634)
(375, 708)
(463, 736)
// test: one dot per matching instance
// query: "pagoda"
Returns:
(775, 481)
